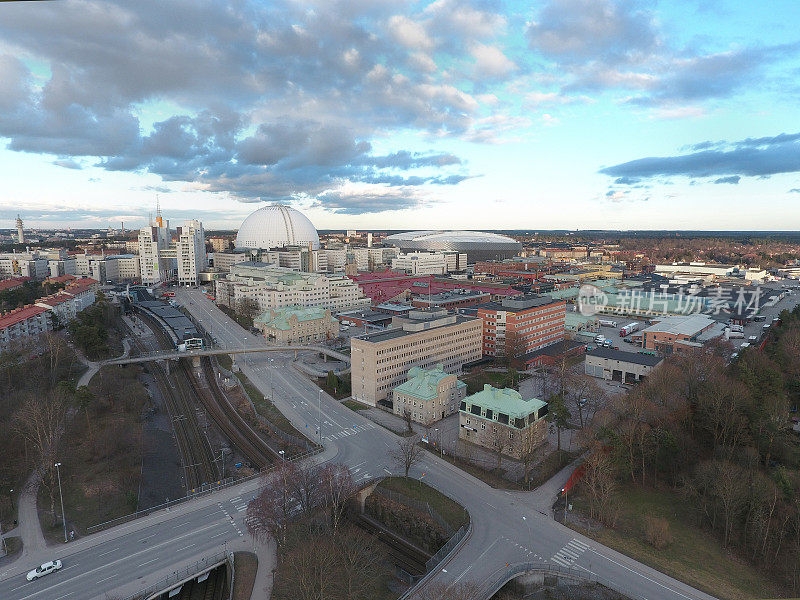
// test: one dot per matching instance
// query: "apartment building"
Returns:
(429, 263)
(62, 266)
(516, 326)
(428, 395)
(503, 421)
(154, 240)
(220, 244)
(297, 325)
(271, 286)
(24, 264)
(376, 257)
(25, 324)
(223, 261)
(423, 339)
(129, 268)
(190, 252)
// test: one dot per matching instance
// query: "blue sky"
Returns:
(383, 114)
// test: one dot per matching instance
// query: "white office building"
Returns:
(190, 252)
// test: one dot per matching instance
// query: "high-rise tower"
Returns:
(20, 231)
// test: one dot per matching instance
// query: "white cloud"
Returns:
(409, 33)
(491, 62)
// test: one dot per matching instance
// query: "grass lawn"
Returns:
(694, 556)
(552, 464)
(450, 510)
(353, 405)
(266, 408)
(491, 478)
(246, 566)
(225, 361)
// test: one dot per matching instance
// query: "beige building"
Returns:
(503, 421)
(297, 325)
(220, 244)
(425, 338)
(428, 396)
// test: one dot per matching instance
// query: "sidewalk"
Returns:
(28, 529)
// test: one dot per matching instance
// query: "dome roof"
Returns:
(276, 226)
(478, 245)
(422, 237)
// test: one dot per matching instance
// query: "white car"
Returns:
(44, 569)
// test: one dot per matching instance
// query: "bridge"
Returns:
(175, 355)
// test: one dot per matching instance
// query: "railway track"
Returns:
(193, 445)
(227, 418)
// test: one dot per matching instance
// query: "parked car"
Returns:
(43, 569)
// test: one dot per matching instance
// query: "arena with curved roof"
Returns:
(479, 245)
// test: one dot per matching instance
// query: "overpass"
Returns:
(175, 355)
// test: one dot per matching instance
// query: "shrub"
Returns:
(656, 532)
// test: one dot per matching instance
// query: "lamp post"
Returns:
(319, 414)
(63, 515)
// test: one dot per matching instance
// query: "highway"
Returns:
(508, 527)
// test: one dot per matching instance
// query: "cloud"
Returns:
(574, 31)
(757, 157)
(67, 164)
(491, 62)
(733, 179)
(679, 112)
(794, 191)
(371, 199)
(268, 101)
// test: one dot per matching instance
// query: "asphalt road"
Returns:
(508, 527)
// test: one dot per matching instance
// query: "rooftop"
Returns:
(411, 326)
(689, 325)
(19, 315)
(423, 384)
(279, 318)
(505, 400)
(637, 358)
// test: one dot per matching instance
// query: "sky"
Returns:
(384, 114)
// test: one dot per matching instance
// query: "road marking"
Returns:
(216, 536)
(186, 547)
(106, 579)
(149, 562)
(643, 576)
(65, 595)
(563, 563)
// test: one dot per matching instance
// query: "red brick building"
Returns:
(518, 326)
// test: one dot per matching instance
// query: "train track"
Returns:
(227, 418)
(193, 445)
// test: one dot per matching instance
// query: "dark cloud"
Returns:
(794, 191)
(733, 179)
(626, 180)
(757, 157)
(361, 203)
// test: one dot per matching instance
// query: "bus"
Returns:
(194, 343)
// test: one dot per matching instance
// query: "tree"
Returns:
(407, 420)
(360, 564)
(599, 485)
(336, 488)
(498, 434)
(268, 513)
(308, 572)
(247, 309)
(558, 415)
(304, 484)
(407, 454)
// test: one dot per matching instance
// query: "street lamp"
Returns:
(63, 515)
(319, 414)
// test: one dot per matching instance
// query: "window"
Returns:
(483, 425)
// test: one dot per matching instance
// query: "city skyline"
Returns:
(568, 114)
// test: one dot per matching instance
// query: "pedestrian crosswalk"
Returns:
(239, 504)
(567, 556)
(343, 433)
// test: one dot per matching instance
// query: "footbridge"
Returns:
(175, 355)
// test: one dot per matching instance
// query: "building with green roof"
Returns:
(428, 394)
(297, 324)
(503, 421)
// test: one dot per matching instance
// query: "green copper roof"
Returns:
(278, 318)
(422, 384)
(504, 400)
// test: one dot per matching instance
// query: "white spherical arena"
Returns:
(276, 226)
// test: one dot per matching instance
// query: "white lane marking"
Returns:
(563, 563)
(643, 576)
(106, 579)
(149, 562)
(186, 547)
(65, 595)
(108, 552)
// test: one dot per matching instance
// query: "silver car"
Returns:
(44, 569)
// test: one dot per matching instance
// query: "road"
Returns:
(508, 527)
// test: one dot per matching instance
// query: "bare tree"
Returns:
(407, 454)
(500, 441)
(360, 562)
(304, 484)
(40, 421)
(599, 485)
(407, 420)
(336, 487)
(309, 572)
(269, 512)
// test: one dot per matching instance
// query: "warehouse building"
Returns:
(618, 365)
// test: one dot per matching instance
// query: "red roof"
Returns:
(19, 315)
(79, 286)
(382, 286)
(61, 279)
(10, 284)
(55, 299)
